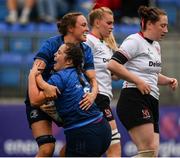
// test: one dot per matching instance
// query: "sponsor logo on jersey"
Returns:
(105, 60)
(154, 64)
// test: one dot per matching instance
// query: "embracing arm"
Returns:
(49, 90)
(90, 97)
(36, 96)
(120, 71)
(164, 80)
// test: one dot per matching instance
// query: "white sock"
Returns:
(25, 12)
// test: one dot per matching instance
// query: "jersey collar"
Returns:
(147, 39)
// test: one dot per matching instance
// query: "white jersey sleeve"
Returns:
(129, 47)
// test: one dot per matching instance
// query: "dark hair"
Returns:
(151, 14)
(75, 53)
(68, 20)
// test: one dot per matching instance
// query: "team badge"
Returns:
(34, 114)
(146, 114)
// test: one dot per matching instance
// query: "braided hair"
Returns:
(74, 52)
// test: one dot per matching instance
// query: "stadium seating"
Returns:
(83, 6)
(3, 10)
(1, 45)
(17, 42)
(22, 45)
(46, 28)
(10, 69)
(171, 7)
(26, 65)
(31, 27)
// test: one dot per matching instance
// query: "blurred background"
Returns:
(25, 24)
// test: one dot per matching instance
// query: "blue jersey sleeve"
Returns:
(57, 80)
(48, 49)
(88, 57)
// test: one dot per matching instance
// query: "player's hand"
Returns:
(51, 92)
(50, 109)
(143, 87)
(35, 69)
(173, 83)
(88, 100)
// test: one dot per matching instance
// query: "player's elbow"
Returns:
(35, 102)
(110, 66)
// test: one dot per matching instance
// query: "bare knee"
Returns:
(46, 150)
(46, 145)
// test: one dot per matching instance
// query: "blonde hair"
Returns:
(111, 42)
(98, 13)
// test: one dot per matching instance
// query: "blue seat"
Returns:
(3, 10)
(117, 33)
(44, 27)
(28, 61)
(129, 29)
(27, 65)
(40, 41)
(123, 30)
(83, 6)
(1, 45)
(10, 70)
(31, 27)
(4, 27)
(117, 84)
(20, 45)
(171, 7)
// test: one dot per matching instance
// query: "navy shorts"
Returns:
(91, 140)
(135, 109)
(35, 114)
(103, 103)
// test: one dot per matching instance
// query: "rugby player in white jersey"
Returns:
(102, 43)
(138, 62)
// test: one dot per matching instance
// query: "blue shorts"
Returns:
(35, 114)
(91, 140)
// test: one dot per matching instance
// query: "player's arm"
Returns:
(119, 70)
(36, 95)
(114, 77)
(88, 98)
(164, 80)
(49, 90)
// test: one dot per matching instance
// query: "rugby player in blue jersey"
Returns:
(73, 28)
(87, 131)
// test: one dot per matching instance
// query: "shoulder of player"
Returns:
(85, 47)
(54, 40)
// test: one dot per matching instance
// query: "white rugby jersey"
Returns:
(144, 60)
(102, 54)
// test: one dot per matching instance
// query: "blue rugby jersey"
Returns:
(50, 47)
(67, 103)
